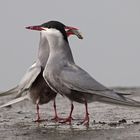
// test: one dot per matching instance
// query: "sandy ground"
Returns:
(107, 122)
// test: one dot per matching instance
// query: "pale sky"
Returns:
(110, 50)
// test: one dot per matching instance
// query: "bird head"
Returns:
(55, 28)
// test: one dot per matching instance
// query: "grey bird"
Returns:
(68, 79)
(33, 86)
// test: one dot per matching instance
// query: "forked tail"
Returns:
(15, 101)
(9, 92)
(124, 101)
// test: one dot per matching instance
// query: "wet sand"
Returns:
(107, 122)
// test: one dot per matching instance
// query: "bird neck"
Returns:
(60, 52)
(43, 51)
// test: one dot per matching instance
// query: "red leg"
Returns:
(86, 119)
(38, 115)
(56, 118)
(69, 119)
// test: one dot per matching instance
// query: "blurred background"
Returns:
(110, 50)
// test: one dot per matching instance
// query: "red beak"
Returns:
(38, 28)
(70, 28)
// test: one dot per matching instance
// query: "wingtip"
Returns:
(17, 100)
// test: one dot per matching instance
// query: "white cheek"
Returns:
(53, 36)
(53, 32)
(44, 34)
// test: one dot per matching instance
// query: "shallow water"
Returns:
(107, 122)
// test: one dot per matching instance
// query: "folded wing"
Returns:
(75, 78)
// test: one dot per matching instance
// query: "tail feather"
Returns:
(15, 101)
(123, 93)
(8, 92)
(125, 102)
(20, 93)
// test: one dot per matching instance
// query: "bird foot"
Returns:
(57, 119)
(86, 120)
(67, 120)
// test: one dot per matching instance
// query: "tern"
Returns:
(33, 84)
(68, 79)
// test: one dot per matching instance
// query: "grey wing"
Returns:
(25, 82)
(77, 79)
(9, 92)
(29, 77)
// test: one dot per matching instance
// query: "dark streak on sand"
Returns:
(107, 122)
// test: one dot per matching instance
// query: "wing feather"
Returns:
(29, 77)
(77, 79)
